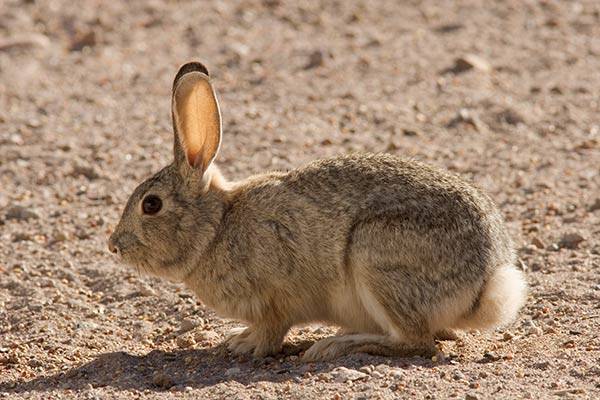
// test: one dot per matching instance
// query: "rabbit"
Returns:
(394, 251)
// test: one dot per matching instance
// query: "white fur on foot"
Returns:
(241, 341)
(253, 340)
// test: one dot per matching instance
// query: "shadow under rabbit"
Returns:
(196, 368)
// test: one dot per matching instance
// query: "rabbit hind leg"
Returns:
(381, 345)
(399, 337)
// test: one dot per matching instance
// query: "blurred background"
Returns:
(504, 93)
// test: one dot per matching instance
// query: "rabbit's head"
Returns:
(173, 216)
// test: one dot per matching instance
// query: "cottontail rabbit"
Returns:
(392, 250)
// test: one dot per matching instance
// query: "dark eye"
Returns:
(151, 204)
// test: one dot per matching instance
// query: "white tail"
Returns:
(502, 298)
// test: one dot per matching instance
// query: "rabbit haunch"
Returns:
(392, 250)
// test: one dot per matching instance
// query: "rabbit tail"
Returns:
(499, 300)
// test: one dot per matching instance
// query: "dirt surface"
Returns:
(506, 94)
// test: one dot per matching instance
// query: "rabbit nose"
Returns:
(112, 246)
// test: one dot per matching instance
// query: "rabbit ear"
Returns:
(196, 117)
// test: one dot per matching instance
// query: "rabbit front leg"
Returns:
(259, 339)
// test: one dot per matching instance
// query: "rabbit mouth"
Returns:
(140, 264)
(147, 262)
(138, 258)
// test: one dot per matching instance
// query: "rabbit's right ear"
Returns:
(196, 118)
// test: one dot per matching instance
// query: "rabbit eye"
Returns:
(151, 204)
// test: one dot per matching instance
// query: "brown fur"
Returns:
(390, 249)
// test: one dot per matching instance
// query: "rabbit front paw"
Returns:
(258, 341)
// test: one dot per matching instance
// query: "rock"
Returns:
(82, 234)
(86, 171)
(315, 59)
(537, 242)
(595, 206)
(490, 356)
(570, 241)
(376, 375)
(543, 365)
(367, 369)
(510, 117)
(471, 396)
(457, 376)
(162, 380)
(232, 371)
(82, 40)
(410, 132)
(383, 368)
(464, 116)
(528, 323)
(535, 331)
(554, 247)
(396, 373)
(569, 392)
(184, 342)
(10, 359)
(20, 213)
(468, 62)
(187, 325)
(241, 50)
(24, 42)
(448, 28)
(207, 336)
(146, 290)
(343, 374)
(507, 336)
(21, 237)
(536, 266)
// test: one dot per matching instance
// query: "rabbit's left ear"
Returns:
(196, 117)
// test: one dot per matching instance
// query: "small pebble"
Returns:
(185, 341)
(187, 325)
(383, 368)
(595, 206)
(162, 380)
(367, 369)
(376, 374)
(146, 290)
(570, 241)
(343, 374)
(20, 213)
(535, 331)
(396, 373)
(207, 337)
(457, 376)
(537, 242)
(468, 62)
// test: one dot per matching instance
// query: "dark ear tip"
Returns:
(192, 66)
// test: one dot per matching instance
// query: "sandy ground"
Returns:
(506, 94)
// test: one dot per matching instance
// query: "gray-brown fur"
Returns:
(390, 249)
